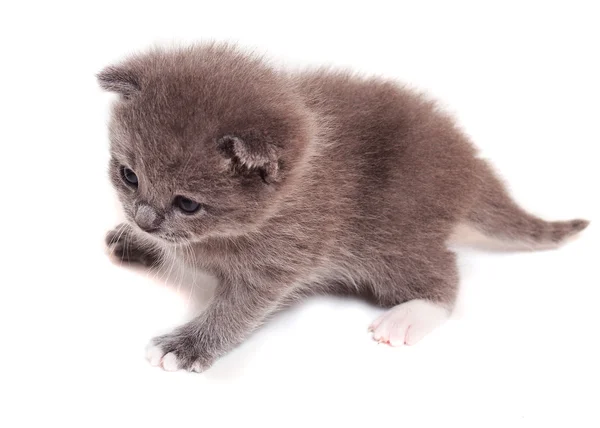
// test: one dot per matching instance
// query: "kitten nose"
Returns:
(146, 218)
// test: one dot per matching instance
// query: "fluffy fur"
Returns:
(309, 182)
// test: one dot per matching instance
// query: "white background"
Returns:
(522, 348)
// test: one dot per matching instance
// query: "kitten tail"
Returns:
(495, 215)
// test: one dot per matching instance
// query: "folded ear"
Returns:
(119, 79)
(250, 153)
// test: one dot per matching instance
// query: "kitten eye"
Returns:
(129, 176)
(187, 205)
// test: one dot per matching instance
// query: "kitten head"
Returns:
(204, 141)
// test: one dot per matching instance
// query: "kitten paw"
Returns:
(123, 246)
(407, 323)
(176, 351)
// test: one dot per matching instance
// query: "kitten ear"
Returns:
(119, 79)
(251, 153)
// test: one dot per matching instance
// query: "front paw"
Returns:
(178, 351)
(123, 246)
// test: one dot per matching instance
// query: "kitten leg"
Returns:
(235, 311)
(432, 295)
(126, 247)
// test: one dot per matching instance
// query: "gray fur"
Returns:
(313, 181)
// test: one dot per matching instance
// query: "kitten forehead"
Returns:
(144, 138)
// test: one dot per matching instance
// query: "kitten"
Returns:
(283, 184)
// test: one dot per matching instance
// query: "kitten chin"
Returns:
(283, 184)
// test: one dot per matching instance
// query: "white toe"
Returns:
(197, 367)
(408, 322)
(170, 363)
(154, 354)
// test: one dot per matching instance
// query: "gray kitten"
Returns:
(284, 184)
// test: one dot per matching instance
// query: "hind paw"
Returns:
(408, 322)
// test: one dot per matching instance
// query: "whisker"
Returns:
(193, 267)
(162, 265)
(181, 268)
(121, 231)
(173, 256)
